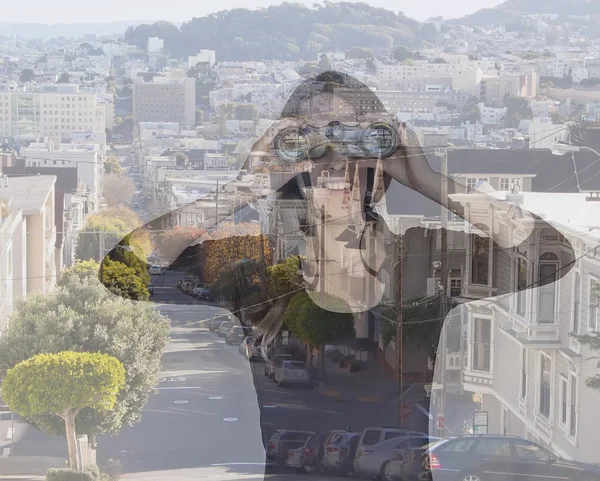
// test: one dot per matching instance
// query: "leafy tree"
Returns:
(118, 189)
(130, 255)
(81, 315)
(173, 242)
(517, 109)
(112, 164)
(64, 78)
(62, 385)
(246, 112)
(284, 277)
(359, 52)
(324, 63)
(181, 160)
(317, 326)
(439, 60)
(402, 53)
(199, 116)
(27, 75)
(470, 112)
(124, 281)
(79, 270)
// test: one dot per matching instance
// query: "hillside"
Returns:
(512, 9)
(289, 31)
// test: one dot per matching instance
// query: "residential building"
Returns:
(204, 56)
(165, 98)
(492, 90)
(526, 293)
(155, 44)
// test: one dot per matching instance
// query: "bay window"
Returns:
(479, 259)
(548, 271)
(545, 385)
(522, 274)
(482, 331)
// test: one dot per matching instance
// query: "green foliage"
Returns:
(471, 112)
(124, 281)
(284, 278)
(199, 116)
(246, 112)
(80, 270)
(289, 31)
(27, 75)
(181, 160)
(64, 78)
(112, 164)
(64, 382)
(359, 52)
(134, 259)
(517, 109)
(81, 315)
(68, 474)
(402, 53)
(315, 325)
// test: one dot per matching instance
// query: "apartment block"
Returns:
(59, 110)
(165, 98)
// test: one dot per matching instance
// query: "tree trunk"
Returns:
(308, 355)
(71, 433)
(322, 362)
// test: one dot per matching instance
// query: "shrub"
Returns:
(68, 474)
(112, 470)
(93, 470)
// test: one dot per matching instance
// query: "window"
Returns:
(505, 419)
(564, 403)
(530, 452)
(593, 310)
(391, 435)
(523, 373)
(481, 344)
(471, 181)
(458, 446)
(371, 437)
(479, 259)
(504, 183)
(493, 447)
(455, 287)
(521, 286)
(547, 291)
(545, 385)
(573, 405)
(576, 303)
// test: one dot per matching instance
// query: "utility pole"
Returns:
(322, 282)
(217, 206)
(263, 262)
(399, 343)
(444, 298)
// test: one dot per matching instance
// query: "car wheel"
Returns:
(309, 468)
(470, 476)
(383, 472)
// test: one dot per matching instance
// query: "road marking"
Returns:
(269, 406)
(9, 433)
(180, 402)
(230, 420)
(177, 387)
(215, 398)
(6, 452)
(242, 464)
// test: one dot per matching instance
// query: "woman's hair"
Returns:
(303, 100)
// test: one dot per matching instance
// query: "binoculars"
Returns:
(295, 144)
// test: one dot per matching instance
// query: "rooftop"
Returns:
(28, 193)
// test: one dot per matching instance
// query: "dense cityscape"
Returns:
(327, 241)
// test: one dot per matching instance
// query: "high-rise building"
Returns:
(165, 98)
(48, 110)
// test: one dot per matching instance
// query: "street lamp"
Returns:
(562, 149)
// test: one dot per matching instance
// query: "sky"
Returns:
(78, 11)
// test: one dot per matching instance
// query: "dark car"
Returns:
(499, 458)
(235, 335)
(214, 323)
(205, 295)
(282, 441)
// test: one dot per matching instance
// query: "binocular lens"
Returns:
(292, 145)
(379, 140)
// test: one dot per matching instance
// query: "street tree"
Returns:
(359, 52)
(112, 165)
(62, 385)
(64, 78)
(317, 326)
(470, 112)
(81, 315)
(284, 278)
(173, 242)
(27, 75)
(181, 160)
(517, 109)
(124, 281)
(246, 112)
(118, 189)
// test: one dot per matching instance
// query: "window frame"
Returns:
(555, 286)
(592, 307)
(563, 401)
(540, 380)
(473, 342)
(523, 375)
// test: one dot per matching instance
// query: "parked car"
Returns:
(246, 345)
(235, 335)
(308, 457)
(339, 454)
(374, 460)
(185, 286)
(375, 435)
(251, 348)
(224, 328)
(500, 458)
(205, 295)
(283, 440)
(215, 322)
(405, 463)
(271, 360)
(155, 269)
(291, 372)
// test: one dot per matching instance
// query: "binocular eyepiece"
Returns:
(295, 144)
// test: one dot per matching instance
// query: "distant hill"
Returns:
(289, 31)
(75, 30)
(512, 9)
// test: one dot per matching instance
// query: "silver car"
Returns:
(339, 454)
(374, 460)
(292, 372)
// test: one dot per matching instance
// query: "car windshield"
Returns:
(294, 365)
